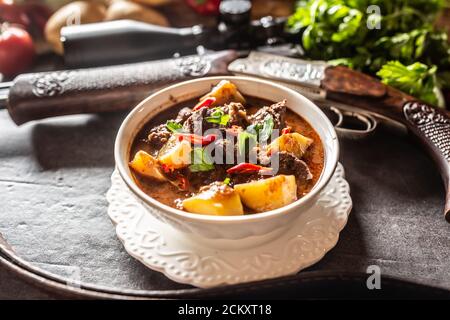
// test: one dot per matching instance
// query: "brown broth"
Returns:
(168, 194)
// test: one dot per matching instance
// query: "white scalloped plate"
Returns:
(187, 259)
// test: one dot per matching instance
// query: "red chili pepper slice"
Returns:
(166, 168)
(245, 168)
(196, 139)
(286, 130)
(180, 181)
(183, 183)
(204, 103)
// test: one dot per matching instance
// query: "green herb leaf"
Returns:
(201, 160)
(173, 126)
(254, 128)
(346, 32)
(416, 79)
(227, 181)
(267, 129)
(242, 141)
(347, 62)
(261, 130)
(349, 25)
(219, 117)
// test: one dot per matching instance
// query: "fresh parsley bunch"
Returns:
(394, 39)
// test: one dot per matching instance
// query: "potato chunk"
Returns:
(216, 199)
(268, 194)
(224, 92)
(291, 142)
(147, 166)
(175, 154)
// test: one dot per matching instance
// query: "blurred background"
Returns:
(410, 51)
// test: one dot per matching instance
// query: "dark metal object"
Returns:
(235, 12)
(429, 125)
(47, 94)
(4, 91)
(356, 125)
(350, 124)
(126, 41)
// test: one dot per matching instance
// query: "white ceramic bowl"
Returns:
(226, 227)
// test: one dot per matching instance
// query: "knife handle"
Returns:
(428, 124)
(49, 94)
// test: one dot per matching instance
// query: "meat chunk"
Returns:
(277, 111)
(245, 177)
(201, 178)
(238, 114)
(196, 122)
(183, 115)
(225, 150)
(158, 136)
(290, 164)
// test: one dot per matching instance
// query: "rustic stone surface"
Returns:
(54, 175)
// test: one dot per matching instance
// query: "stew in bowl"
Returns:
(227, 154)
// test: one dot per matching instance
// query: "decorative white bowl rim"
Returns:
(320, 184)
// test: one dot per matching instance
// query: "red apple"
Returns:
(16, 50)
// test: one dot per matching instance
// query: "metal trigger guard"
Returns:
(351, 124)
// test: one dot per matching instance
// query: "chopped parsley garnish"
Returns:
(201, 161)
(266, 131)
(219, 117)
(262, 130)
(174, 126)
(242, 141)
(254, 128)
(416, 79)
